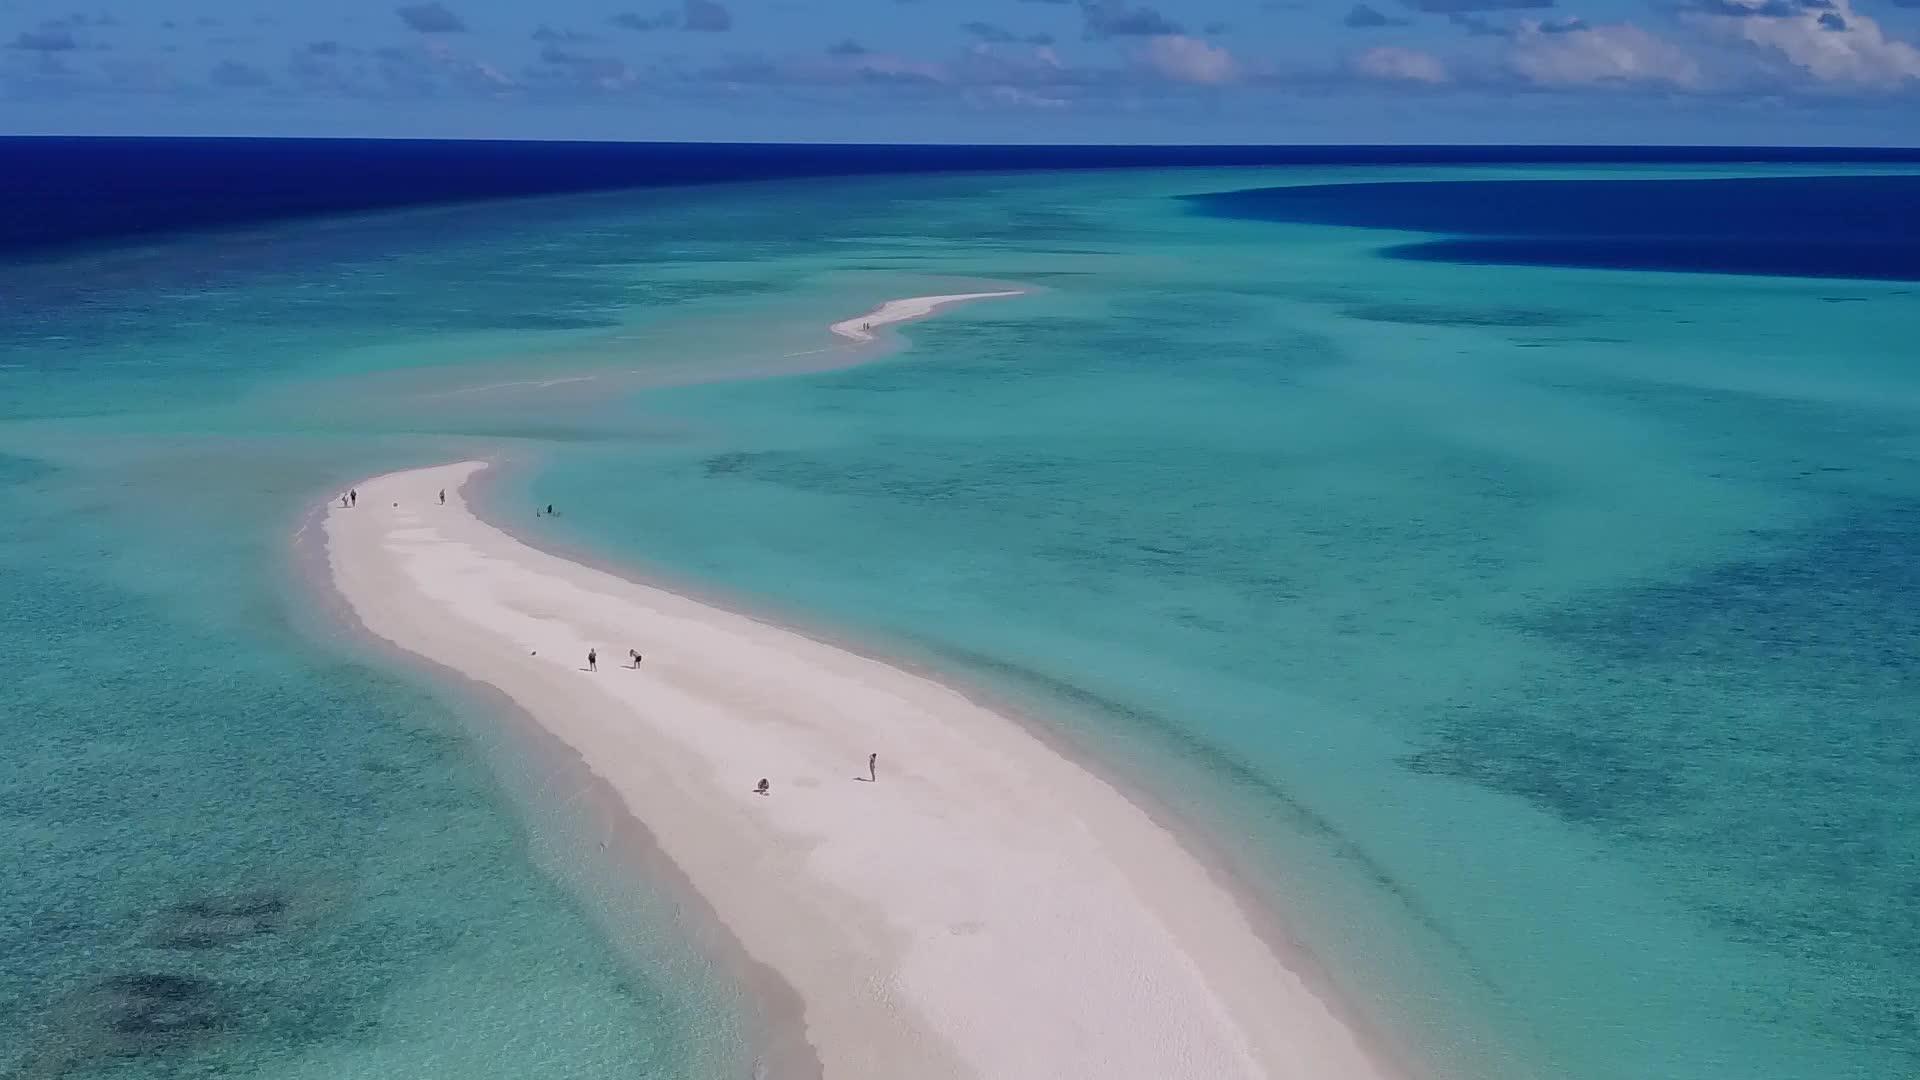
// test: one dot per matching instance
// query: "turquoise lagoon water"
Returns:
(1539, 638)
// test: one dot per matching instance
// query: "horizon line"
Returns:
(1913, 148)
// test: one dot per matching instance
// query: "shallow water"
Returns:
(231, 847)
(1540, 636)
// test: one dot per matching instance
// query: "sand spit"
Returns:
(984, 908)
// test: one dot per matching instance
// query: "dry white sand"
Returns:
(987, 909)
(860, 328)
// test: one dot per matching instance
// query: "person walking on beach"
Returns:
(593, 660)
(353, 497)
(443, 496)
(872, 776)
(343, 499)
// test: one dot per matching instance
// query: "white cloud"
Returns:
(1014, 97)
(475, 73)
(1188, 59)
(430, 18)
(1611, 53)
(1395, 64)
(838, 67)
(984, 64)
(889, 66)
(1857, 53)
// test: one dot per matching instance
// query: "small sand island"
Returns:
(861, 328)
(977, 905)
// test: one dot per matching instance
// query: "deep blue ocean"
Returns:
(1792, 226)
(61, 190)
(1505, 555)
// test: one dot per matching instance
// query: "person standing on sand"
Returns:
(872, 776)
(593, 660)
(353, 497)
(443, 496)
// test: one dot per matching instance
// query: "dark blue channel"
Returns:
(1865, 226)
(56, 191)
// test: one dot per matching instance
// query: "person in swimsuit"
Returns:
(593, 660)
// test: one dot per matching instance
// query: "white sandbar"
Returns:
(987, 909)
(861, 327)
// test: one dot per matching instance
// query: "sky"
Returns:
(1815, 72)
